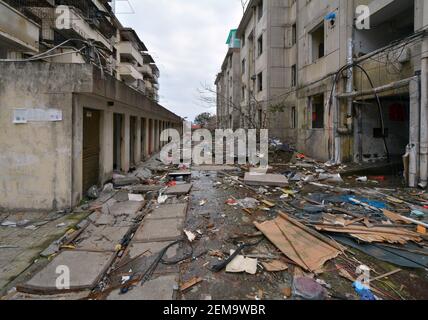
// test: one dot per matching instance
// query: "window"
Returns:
(244, 62)
(317, 103)
(261, 118)
(293, 75)
(260, 9)
(243, 41)
(243, 93)
(294, 35)
(230, 81)
(293, 118)
(260, 81)
(317, 40)
(260, 45)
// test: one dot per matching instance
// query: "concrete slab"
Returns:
(214, 168)
(86, 270)
(127, 181)
(121, 196)
(159, 230)
(180, 173)
(145, 188)
(126, 208)
(55, 297)
(161, 288)
(169, 211)
(136, 249)
(101, 238)
(273, 180)
(179, 190)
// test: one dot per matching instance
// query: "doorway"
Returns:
(118, 134)
(91, 148)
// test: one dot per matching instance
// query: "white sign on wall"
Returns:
(36, 115)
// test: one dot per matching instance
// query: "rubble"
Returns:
(307, 225)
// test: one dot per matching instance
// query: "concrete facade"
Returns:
(69, 119)
(267, 58)
(340, 91)
(228, 91)
(41, 162)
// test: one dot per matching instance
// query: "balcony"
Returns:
(18, 32)
(128, 50)
(146, 70)
(148, 85)
(129, 72)
(77, 26)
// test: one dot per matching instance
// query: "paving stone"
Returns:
(274, 180)
(161, 288)
(56, 297)
(168, 211)
(179, 190)
(121, 196)
(86, 270)
(104, 238)
(136, 249)
(126, 208)
(159, 230)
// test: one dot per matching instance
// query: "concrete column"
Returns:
(146, 137)
(153, 136)
(163, 129)
(424, 116)
(414, 134)
(126, 144)
(106, 144)
(137, 148)
(77, 163)
(156, 126)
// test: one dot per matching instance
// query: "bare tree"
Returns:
(244, 5)
(255, 113)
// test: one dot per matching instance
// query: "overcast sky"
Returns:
(187, 40)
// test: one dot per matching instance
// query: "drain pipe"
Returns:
(424, 116)
(350, 84)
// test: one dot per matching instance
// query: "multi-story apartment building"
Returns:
(78, 100)
(228, 86)
(267, 58)
(350, 77)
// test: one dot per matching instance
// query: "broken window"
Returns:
(261, 118)
(260, 45)
(317, 39)
(260, 10)
(391, 21)
(293, 118)
(317, 106)
(260, 81)
(294, 75)
(294, 35)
